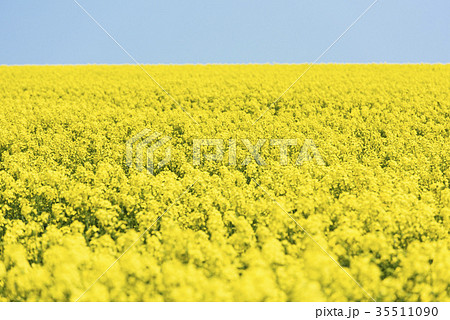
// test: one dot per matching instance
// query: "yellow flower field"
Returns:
(380, 206)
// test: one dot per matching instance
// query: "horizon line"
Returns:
(222, 64)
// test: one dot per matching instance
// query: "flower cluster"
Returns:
(380, 206)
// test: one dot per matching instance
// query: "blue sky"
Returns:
(232, 31)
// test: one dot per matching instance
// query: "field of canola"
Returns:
(380, 206)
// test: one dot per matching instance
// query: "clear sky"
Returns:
(231, 31)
